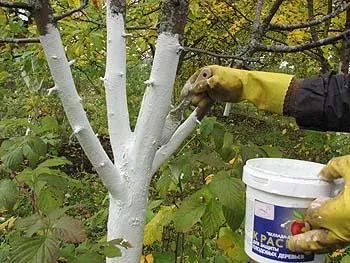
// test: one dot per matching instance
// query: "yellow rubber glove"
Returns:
(330, 218)
(265, 90)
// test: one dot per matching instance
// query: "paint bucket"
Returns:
(278, 193)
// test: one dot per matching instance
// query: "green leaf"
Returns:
(231, 194)
(52, 178)
(213, 218)
(39, 249)
(234, 217)
(49, 124)
(218, 134)
(37, 145)
(7, 124)
(54, 162)
(154, 204)
(49, 199)
(90, 257)
(227, 152)
(69, 229)
(210, 158)
(207, 125)
(164, 257)
(8, 194)
(26, 222)
(233, 245)
(60, 212)
(112, 251)
(271, 152)
(298, 215)
(229, 190)
(163, 184)
(32, 156)
(251, 152)
(38, 225)
(4, 254)
(191, 210)
(26, 176)
(180, 170)
(154, 229)
(346, 259)
(68, 252)
(221, 259)
(13, 159)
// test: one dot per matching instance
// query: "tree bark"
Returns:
(345, 56)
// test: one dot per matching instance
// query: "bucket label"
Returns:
(272, 227)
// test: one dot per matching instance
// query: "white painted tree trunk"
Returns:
(138, 154)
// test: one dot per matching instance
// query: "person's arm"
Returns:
(320, 103)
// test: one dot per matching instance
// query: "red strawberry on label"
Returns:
(297, 227)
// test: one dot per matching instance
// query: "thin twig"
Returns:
(71, 12)
(327, 23)
(19, 40)
(238, 11)
(314, 36)
(309, 23)
(15, 5)
(222, 24)
(272, 12)
(302, 47)
(212, 54)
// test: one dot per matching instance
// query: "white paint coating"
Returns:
(156, 101)
(64, 82)
(115, 83)
(135, 153)
(175, 141)
(227, 109)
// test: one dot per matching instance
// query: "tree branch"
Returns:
(62, 76)
(175, 141)
(115, 79)
(19, 40)
(314, 36)
(222, 24)
(256, 23)
(327, 23)
(212, 54)
(15, 5)
(238, 11)
(309, 23)
(266, 21)
(156, 101)
(71, 12)
(302, 47)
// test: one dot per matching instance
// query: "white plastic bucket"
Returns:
(278, 193)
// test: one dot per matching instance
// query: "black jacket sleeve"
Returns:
(323, 103)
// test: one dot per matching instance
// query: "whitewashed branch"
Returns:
(156, 101)
(175, 141)
(115, 82)
(62, 75)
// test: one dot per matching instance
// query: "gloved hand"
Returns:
(330, 218)
(216, 83)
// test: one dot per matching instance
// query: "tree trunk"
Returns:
(138, 154)
(127, 220)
